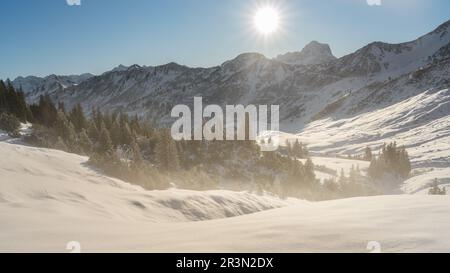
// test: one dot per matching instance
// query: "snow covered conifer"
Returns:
(126, 134)
(77, 118)
(104, 144)
(84, 142)
(368, 154)
(309, 171)
(61, 145)
(10, 124)
(166, 152)
(65, 129)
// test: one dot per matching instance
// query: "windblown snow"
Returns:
(35, 179)
(49, 198)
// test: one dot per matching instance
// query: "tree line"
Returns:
(133, 150)
(13, 108)
(130, 148)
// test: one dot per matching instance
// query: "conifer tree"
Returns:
(309, 171)
(85, 143)
(104, 144)
(126, 135)
(45, 112)
(368, 154)
(116, 133)
(137, 156)
(22, 109)
(166, 153)
(93, 132)
(97, 118)
(77, 118)
(297, 149)
(289, 150)
(393, 160)
(10, 124)
(61, 145)
(342, 178)
(61, 107)
(3, 105)
(65, 129)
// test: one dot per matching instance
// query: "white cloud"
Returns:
(374, 2)
(73, 2)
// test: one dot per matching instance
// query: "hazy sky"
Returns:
(41, 37)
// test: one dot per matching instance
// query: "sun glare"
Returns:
(267, 20)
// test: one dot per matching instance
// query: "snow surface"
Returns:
(420, 123)
(420, 184)
(338, 164)
(56, 181)
(49, 198)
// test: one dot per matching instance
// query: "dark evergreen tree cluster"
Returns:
(13, 108)
(353, 185)
(119, 145)
(296, 150)
(368, 156)
(392, 160)
(44, 112)
(10, 124)
(12, 101)
(131, 149)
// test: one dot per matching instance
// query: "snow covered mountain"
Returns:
(308, 86)
(421, 123)
(35, 86)
(313, 53)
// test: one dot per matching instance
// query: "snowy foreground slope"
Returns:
(49, 198)
(36, 180)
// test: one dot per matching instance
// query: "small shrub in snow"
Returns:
(436, 190)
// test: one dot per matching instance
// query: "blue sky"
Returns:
(49, 36)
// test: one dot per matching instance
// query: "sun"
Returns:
(267, 20)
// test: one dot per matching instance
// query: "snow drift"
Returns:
(49, 198)
(37, 180)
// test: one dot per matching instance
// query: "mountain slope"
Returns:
(374, 77)
(313, 53)
(33, 87)
(421, 123)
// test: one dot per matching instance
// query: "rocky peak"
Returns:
(313, 53)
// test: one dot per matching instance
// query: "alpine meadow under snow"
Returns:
(341, 114)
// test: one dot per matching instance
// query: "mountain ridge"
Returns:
(313, 53)
(379, 72)
(441, 29)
